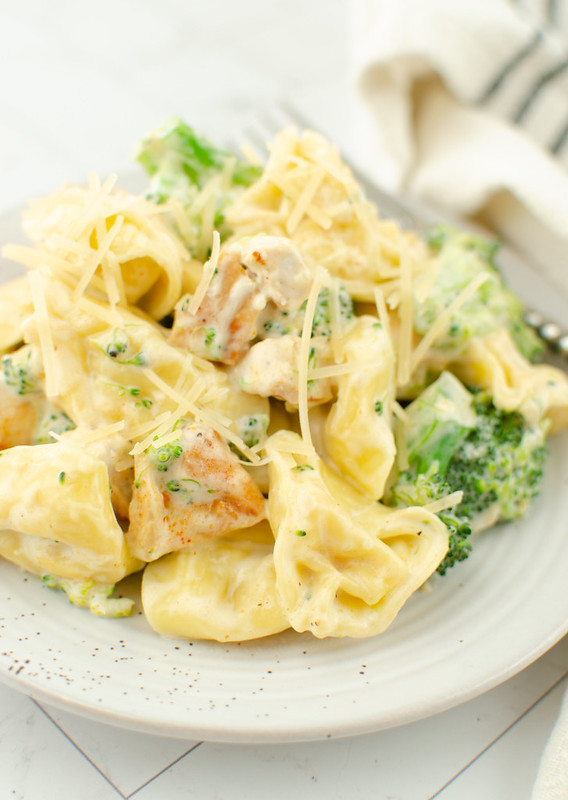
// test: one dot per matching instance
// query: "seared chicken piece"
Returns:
(188, 491)
(270, 369)
(250, 273)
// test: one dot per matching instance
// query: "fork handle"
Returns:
(551, 333)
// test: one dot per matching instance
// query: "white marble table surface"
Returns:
(80, 83)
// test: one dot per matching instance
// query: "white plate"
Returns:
(483, 622)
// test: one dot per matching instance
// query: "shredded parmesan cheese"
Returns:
(449, 501)
(94, 206)
(187, 404)
(208, 271)
(442, 323)
(81, 437)
(400, 413)
(184, 402)
(33, 258)
(155, 434)
(97, 255)
(139, 430)
(304, 200)
(382, 312)
(400, 436)
(50, 366)
(304, 356)
(406, 314)
(334, 370)
(102, 312)
(206, 416)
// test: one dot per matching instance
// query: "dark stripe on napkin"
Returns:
(558, 144)
(537, 88)
(552, 11)
(509, 68)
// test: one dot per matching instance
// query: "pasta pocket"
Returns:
(15, 307)
(539, 391)
(56, 515)
(120, 246)
(306, 192)
(108, 367)
(358, 435)
(223, 590)
(335, 574)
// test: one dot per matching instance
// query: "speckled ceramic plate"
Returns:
(486, 620)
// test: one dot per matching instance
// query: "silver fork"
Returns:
(284, 115)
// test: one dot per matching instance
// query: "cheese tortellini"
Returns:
(224, 590)
(358, 434)
(56, 515)
(344, 564)
(537, 391)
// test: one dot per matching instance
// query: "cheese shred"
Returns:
(50, 365)
(206, 276)
(442, 323)
(304, 356)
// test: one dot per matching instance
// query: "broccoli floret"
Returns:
(97, 597)
(458, 259)
(163, 457)
(18, 372)
(417, 489)
(53, 420)
(494, 457)
(180, 163)
(438, 421)
(252, 428)
(322, 322)
(500, 462)
(279, 323)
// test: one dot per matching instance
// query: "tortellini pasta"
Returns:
(223, 590)
(344, 565)
(537, 391)
(123, 233)
(358, 433)
(15, 307)
(56, 515)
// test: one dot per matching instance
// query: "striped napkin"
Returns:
(465, 106)
(468, 105)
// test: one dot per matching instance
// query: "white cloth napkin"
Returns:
(468, 103)
(552, 778)
(465, 106)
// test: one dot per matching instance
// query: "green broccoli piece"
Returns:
(163, 457)
(500, 462)
(252, 428)
(53, 420)
(458, 259)
(494, 457)
(280, 323)
(180, 162)
(439, 420)
(97, 597)
(18, 372)
(413, 488)
(322, 322)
